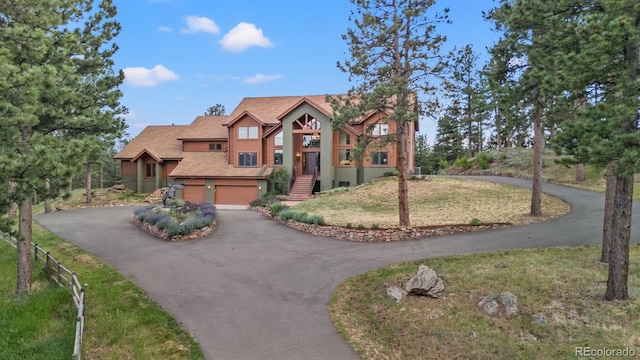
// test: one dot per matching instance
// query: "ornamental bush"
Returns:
(181, 220)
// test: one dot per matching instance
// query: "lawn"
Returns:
(432, 201)
(121, 321)
(565, 285)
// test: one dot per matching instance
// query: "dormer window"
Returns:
(215, 147)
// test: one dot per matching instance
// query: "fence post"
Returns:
(35, 252)
(59, 270)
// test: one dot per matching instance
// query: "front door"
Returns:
(311, 161)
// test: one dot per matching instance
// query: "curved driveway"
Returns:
(257, 289)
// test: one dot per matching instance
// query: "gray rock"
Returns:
(506, 301)
(510, 302)
(425, 283)
(540, 319)
(396, 294)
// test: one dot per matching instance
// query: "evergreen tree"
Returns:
(57, 84)
(215, 110)
(395, 51)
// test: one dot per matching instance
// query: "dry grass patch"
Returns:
(432, 201)
(565, 285)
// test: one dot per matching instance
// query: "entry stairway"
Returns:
(302, 188)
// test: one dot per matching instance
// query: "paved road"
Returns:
(257, 289)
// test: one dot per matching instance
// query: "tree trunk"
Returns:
(580, 173)
(403, 190)
(70, 186)
(47, 198)
(538, 149)
(498, 129)
(619, 255)
(609, 213)
(13, 206)
(101, 176)
(87, 184)
(23, 284)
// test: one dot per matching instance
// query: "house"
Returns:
(227, 159)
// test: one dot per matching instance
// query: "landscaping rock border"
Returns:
(153, 230)
(381, 235)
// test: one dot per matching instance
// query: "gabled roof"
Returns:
(269, 110)
(212, 165)
(243, 114)
(158, 141)
(205, 128)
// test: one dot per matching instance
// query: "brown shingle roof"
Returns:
(205, 128)
(212, 165)
(268, 109)
(159, 141)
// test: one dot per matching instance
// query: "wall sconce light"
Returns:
(259, 188)
(208, 187)
(297, 154)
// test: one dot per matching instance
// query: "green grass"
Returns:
(121, 321)
(39, 326)
(566, 285)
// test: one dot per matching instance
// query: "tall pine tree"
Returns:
(395, 53)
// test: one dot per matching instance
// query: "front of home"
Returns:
(227, 159)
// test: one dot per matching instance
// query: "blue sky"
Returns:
(182, 56)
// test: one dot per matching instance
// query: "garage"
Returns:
(235, 192)
(195, 190)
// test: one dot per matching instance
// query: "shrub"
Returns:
(484, 160)
(349, 225)
(475, 222)
(375, 226)
(390, 173)
(463, 162)
(315, 219)
(286, 214)
(275, 208)
(360, 227)
(155, 217)
(256, 203)
(443, 164)
(175, 203)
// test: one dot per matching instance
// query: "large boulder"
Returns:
(425, 283)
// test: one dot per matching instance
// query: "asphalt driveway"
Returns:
(257, 289)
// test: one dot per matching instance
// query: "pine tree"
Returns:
(395, 52)
(56, 83)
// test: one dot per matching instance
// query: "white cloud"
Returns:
(243, 36)
(131, 115)
(143, 77)
(164, 29)
(261, 78)
(200, 24)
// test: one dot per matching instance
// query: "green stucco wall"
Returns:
(371, 173)
(345, 174)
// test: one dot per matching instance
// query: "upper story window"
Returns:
(247, 132)
(278, 139)
(380, 129)
(215, 147)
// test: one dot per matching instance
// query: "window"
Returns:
(151, 170)
(278, 139)
(247, 132)
(344, 157)
(380, 129)
(311, 141)
(215, 147)
(344, 183)
(277, 157)
(379, 158)
(344, 138)
(246, 159)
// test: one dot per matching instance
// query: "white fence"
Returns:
(65, 278)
